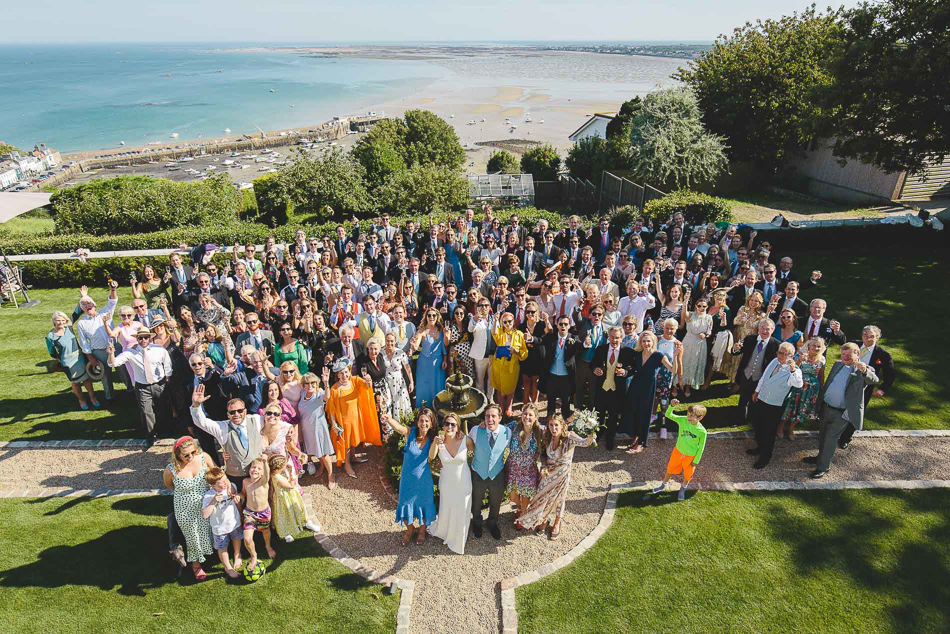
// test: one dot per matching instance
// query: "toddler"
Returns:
(220, 506)
(257, 513)
(290, 515)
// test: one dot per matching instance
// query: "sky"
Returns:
(365, 21)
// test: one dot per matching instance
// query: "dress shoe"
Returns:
(494, 531)
(760, 465)
(844, 445)
(810, 460)
(818, 474)
(755, 451)
(476, 531)
(149, 441)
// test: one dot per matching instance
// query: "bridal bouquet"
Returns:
(585, 423)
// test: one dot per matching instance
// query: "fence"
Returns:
(618, 191)
(579, 194)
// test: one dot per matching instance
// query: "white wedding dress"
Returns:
(455, 500)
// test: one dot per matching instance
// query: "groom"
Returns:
(490, 440)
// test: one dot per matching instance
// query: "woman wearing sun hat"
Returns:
(351, 408)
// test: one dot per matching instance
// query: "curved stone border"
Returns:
(140, 442)
(406, 586)
(509, 609)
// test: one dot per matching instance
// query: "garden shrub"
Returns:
(698, 209)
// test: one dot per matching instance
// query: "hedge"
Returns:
(220, 233)
(697, 209)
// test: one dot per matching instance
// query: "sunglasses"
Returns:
(233, 412)
(530, 312)
(597, 314)
(310, 383)
(272, 414)
(449, 425)
(286, 371)
(143, 337)
(197, 365)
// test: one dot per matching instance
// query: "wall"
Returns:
(597, 128)
(857, 183)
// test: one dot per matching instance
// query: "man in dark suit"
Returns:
(791, 300)
(841, 403)
(874, 355)
(348, 345)
(611, 365)
(531, 260)
(340, 244)
(204, 286)
(438, 266)
(549, 252)
(737, 296)
(430, 245)
(248, 383)
(591, 333)
(572, 230)
(558, 377)
(206, 374)
(817, 325)
(256, 337)
(179, 277)
(599, 240)
(386, 267)
(517, 228)
(757, 352)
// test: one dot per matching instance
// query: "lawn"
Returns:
(84, 565)
(763, 206)
(861, 288)
(810, 561)
(37, 221)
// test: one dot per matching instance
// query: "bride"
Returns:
(455, 485)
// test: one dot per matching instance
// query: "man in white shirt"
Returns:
(402, 329)
(93, 337)
(151, 367)
(605, 286)
(636, 303)
(768, 400)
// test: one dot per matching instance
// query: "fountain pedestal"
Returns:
(460, 398)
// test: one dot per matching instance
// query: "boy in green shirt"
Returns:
(690, 443)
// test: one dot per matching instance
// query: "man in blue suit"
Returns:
(488, 470)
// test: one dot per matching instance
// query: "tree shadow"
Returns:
(917, 587)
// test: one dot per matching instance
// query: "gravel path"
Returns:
(459, 593)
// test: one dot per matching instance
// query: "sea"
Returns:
(85, 97)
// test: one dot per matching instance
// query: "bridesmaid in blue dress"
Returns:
(638, 404)
(452, 249)
(416, 496)
(430, 367)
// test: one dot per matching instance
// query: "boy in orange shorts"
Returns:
(690, 442)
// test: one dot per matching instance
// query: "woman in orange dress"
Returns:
(351, 408)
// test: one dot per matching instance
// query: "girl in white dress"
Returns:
(455, 485)
(698, 328)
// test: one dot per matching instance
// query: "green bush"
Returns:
(136, 204)
(696, 208)
(503, 162)
(543, 162)
(224, 233)
(274, 206)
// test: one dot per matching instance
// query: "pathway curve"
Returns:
(461, 593)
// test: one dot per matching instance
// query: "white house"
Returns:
(8, 174)
(48, 158)
(595, 126)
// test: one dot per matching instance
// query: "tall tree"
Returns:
(423, 189)
(542, 162)
(430, 140)
(668, 142)
(759, 87)
(382, 151)
(892, 84)
(592, 155)
(334, 179)
(619, 125)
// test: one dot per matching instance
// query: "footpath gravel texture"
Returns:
(459, 593)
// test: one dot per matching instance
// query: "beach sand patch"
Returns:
(512, 112)
(506, 94)
(537, 98)
(486, 108)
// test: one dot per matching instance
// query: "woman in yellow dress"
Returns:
(506, 365)
(746, 323)
(351, 408)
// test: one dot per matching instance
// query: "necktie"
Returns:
(597, 333)
(438, 272)
(775, 371)
(402, 332)
(563, 302)
(560, 343)
(149, 370)
(242, 434)
(491, 439)
(814, 328)
(372, 323)
(758, 348)
(257, 341)
(520, 315)
(613, 356)
(863, 350)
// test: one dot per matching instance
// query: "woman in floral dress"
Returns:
(522, 464)
(460, 342)
(745, 324)
(802, 403)
(547, 507)
(397, 369)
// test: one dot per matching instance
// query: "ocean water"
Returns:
(77, 98)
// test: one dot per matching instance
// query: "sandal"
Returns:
(200, 574)
(420, 537)
(407, 536)
(553, 536)
(84, 407)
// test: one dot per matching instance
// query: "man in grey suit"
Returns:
(842, 402)
(256, 336)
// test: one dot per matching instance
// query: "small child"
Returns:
(690, 442)
(255, 491)
(220, 505)
(290, 515)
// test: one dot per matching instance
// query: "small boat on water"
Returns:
(228, 162)
(170, 165)
(272, 90)
(227, 130)
(174, 135)
(121, 142)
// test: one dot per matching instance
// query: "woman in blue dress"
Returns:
(416, 495)
(638, 405)
(786, 330)
(452, 250)
(430, 367)
(62, 346)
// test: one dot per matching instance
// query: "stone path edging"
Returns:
(406, 586)
(140, 442)
(509, 609)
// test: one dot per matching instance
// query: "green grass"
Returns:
(763, 206)
(83, 565)
(895, 292)
(37, 221)
(815, 561)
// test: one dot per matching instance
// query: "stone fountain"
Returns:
(460, 398)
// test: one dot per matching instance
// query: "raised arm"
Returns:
(396, 425)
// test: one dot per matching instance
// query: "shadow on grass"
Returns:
(58, 417)
(916, 584)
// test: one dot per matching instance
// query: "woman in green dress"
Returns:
(151, 288)
(289, 348)
(62, 346)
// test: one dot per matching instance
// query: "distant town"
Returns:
(684, 51)
(21, 170)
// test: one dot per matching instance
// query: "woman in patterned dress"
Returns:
(672, 305)
(698, 328)
(802, 403)
(397, 369)
(460, 342)
(370, 366)
(547, 507)
(185, 474)
(522, 464)
(745, 324)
